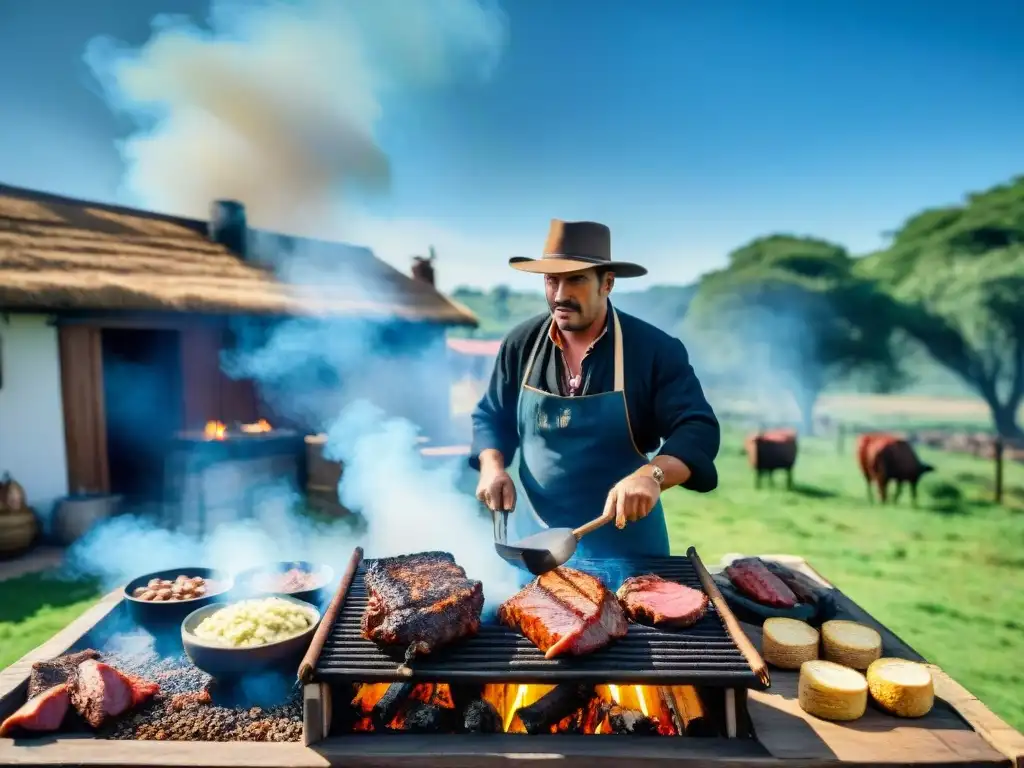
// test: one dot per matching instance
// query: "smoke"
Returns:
(279, 104)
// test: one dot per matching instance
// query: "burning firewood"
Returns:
(390, 704)
(631, 722)
(690, 710)
(421, 717)
(553, 706)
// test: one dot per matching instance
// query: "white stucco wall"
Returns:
(31, 410)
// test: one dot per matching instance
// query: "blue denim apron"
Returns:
(572, 451)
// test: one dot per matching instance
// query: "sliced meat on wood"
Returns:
(43, 713)
(99, 691)
(751, 577)
(565, 611)
(650, 599)
(421, 601)
(47, 674)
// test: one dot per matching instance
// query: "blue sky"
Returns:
(688, 127)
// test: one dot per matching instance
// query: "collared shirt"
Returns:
(663, 396)
(572, 385)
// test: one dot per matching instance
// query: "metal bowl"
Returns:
(170, 612)
(248, 581)
(224, 661)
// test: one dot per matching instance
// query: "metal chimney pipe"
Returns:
(228, 226)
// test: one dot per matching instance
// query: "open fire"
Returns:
(567, 708)
(218, 430)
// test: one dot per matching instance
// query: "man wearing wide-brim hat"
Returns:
(603, 408)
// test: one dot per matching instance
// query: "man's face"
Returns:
(576, 299)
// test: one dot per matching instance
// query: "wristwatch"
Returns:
(657, 473)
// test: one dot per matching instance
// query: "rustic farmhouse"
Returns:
(113, 322)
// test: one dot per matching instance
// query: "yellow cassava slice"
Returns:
(850, 644)
(900, 687)
(831, 691)
(788, 643)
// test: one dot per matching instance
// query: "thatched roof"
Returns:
(59, 254)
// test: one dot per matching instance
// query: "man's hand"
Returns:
(495, 488)
(633, 498)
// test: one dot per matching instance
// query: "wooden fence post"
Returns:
(999, 469)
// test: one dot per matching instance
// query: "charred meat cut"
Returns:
(421, 601)
(651, 599)
(565, 611)
(99, 691)
(47, 674)
(43, 713)
(751, 577)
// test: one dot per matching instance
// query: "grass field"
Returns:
(947, 577)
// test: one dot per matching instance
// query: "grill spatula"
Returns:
(546, 550)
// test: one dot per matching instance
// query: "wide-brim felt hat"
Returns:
(575, 245)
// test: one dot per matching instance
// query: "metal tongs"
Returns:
(545, 550)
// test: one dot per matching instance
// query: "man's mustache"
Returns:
(566, 305)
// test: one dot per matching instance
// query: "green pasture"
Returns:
(947, 577)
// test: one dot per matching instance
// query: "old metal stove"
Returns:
(657, 682)
(217, 475)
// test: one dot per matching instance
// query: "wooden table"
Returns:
(959, 732)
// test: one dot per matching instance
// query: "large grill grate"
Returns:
(704, 654)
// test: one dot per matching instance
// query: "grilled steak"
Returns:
(99, 691)
(42, 713)
(565, 611)
(46, 674)
(651, 599)
(421, 601)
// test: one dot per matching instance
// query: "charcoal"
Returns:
(464, 694)
(558, 703)
(426, 718)
(631, 721)
(390, 703)
(481, 717)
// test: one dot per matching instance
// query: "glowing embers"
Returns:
(568, 708)
(218, 430)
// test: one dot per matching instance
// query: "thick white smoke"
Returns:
(278, 104)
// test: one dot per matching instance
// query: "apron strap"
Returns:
(620, 367)
(533, 354)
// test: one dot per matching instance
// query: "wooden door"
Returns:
(85, 426)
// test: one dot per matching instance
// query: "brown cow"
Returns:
(883, 457)
(772, 450)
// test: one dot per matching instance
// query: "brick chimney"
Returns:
(423, 267)
(227, 225)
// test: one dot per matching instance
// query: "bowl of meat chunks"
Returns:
(168, 596)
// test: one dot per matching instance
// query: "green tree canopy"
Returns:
(957, 277)
(789, 312)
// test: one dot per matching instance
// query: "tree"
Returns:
(500, 296)
(788, 312)
(956, 275)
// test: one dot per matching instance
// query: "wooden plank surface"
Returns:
(406, 751)
(959, 730)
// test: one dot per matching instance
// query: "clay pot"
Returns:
(18, 530)
(12, 495)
